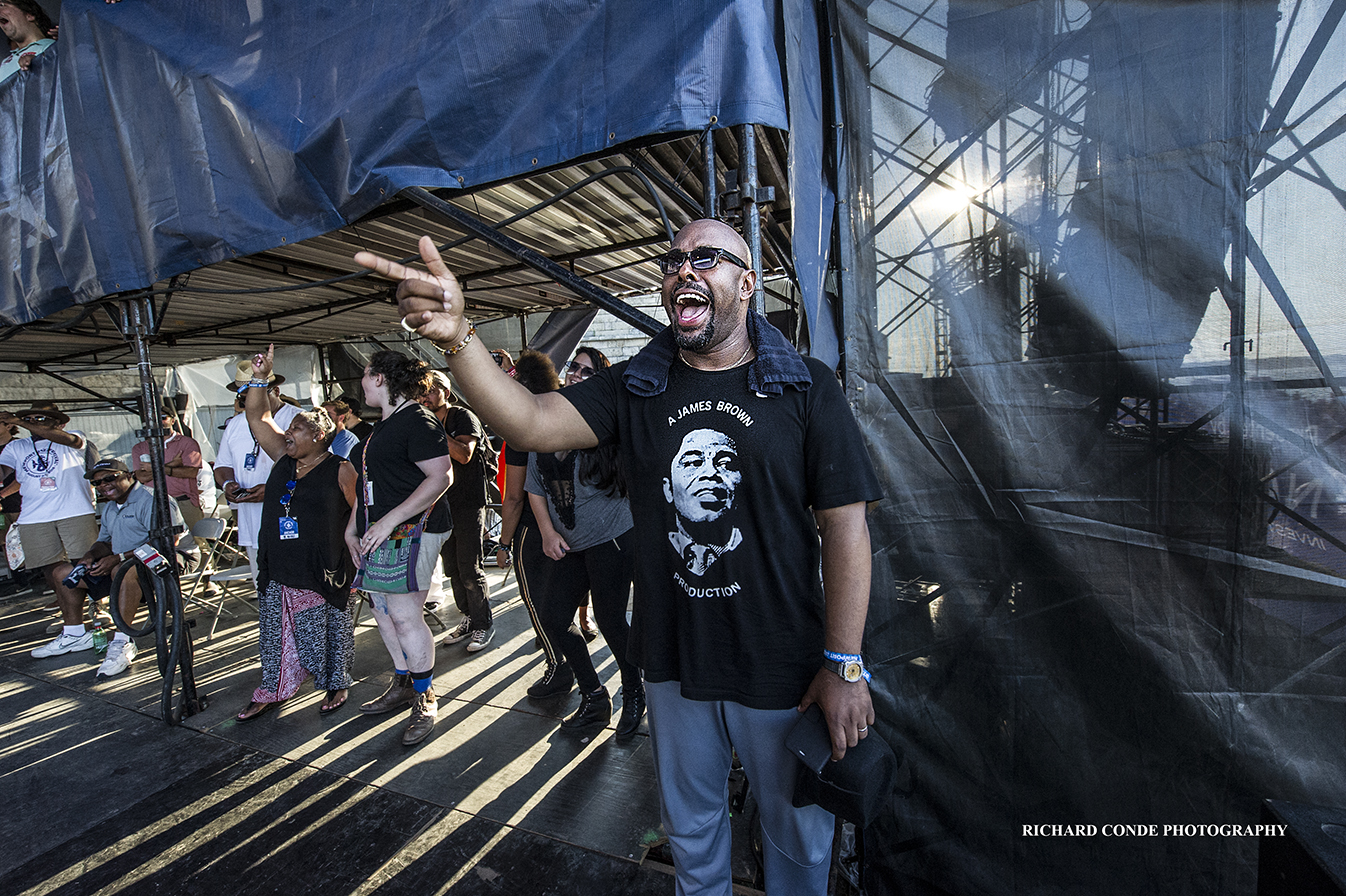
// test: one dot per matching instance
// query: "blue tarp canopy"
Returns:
(157, 137)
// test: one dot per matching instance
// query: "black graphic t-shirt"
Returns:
(469, 479)
(389, 457)
(723, 485)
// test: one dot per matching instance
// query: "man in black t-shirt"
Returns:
(462, 554)
(746, 476)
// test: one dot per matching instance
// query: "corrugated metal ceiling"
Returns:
(605, 231)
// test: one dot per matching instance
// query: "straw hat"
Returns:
(243, 376)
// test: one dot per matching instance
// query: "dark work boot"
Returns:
(633, 710)
(424, 710)
(595, 709)
(399, 694)
(555, 681)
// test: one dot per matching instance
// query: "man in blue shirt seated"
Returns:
(128, 517)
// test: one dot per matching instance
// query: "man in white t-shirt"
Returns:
(241, 466)
(57, 521)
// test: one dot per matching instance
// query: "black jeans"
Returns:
(605, 571)
(463, 565)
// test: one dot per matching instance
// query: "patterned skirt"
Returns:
(300, 634)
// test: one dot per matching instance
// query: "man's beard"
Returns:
(697, 341)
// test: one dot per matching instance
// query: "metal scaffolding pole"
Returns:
(749, 193)
(711, 207)
(138, 323)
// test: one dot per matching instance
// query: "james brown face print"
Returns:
(701, 485)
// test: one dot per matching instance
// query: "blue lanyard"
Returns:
(285, 498)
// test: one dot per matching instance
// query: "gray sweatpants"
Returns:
(693, 742)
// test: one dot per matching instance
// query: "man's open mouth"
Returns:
(690, 307)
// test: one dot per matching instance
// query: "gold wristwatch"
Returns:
(850, 666)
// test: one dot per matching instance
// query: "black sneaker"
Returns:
(595, 709)
(479, 638)
(460, 632)
(556, 680)
(633, 710)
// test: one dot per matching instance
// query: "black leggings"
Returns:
(605, 571)
(531, 567)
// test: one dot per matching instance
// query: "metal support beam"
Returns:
(688, 203)
(1273, 284)
(578, 285)
(38, 368)
(138, 323)
(750, 193)
(138, 326)
(711, 206)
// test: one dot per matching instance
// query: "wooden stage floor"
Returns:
(101, 796)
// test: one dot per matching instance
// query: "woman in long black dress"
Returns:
(304, 571)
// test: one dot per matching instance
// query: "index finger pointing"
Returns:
(383, 266)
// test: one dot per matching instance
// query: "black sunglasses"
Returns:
(106, 480)
(583, 371)
(702, 258)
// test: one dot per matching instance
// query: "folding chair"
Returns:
(219, 566)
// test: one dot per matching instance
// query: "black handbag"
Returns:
(856, 787)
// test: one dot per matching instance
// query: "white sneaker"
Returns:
(460, 633)
(119, 656)
(65, 644)
(480, 638)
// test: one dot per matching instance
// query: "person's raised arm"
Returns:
(432, 303)
(846, 559)
(258, 407)
(53, 434)
(143, 471)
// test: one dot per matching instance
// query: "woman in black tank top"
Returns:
(305, 616)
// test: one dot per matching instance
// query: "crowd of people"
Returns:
(329, 510)
(730, 465)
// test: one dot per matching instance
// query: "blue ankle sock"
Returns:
(397, 671)
(421, 681)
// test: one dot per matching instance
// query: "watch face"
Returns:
(852, 671)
